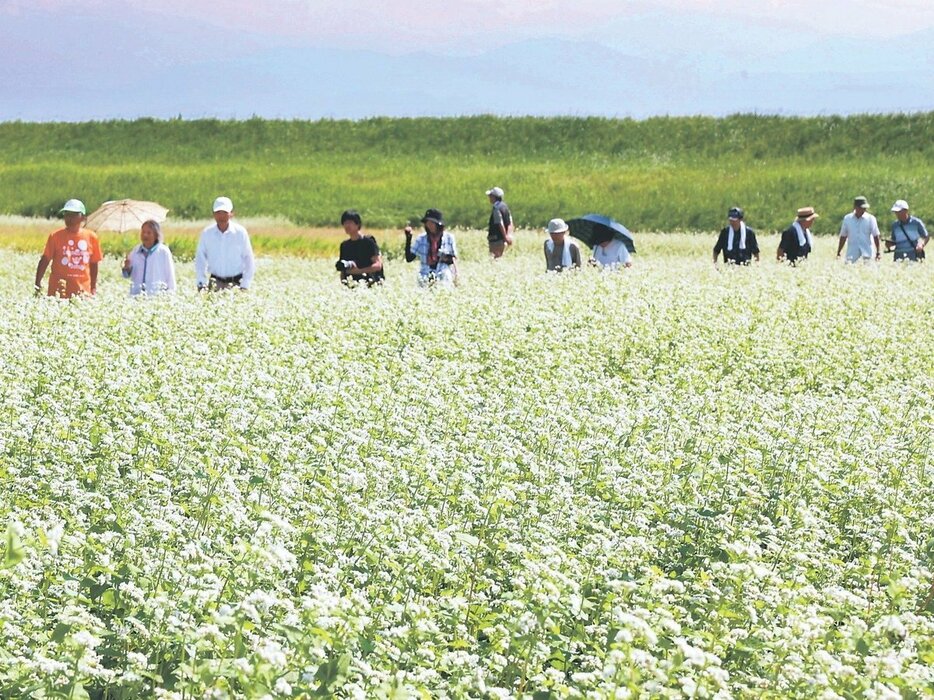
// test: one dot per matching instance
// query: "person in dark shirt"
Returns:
(360, 260)
(797, 240)
(737, 241)
(499, 231)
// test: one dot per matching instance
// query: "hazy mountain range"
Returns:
(113, 68)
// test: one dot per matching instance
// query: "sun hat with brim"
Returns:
(75, 206)
(805, 213)
(495, 191)
(900, 205)
(557, 226)
(735, 213)
(861, 202)
(433, 215)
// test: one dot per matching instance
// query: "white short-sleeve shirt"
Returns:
(859, 233)
(615, 254)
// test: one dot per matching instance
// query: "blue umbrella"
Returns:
(588, 227)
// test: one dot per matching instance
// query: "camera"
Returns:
(344, 265)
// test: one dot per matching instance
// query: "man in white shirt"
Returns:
(224, 258)
(860, 232)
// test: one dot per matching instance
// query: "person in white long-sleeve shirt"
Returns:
(224, 258)
(149, 266)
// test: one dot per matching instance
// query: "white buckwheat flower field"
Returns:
(673, 481)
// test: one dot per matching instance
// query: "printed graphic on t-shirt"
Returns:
(75, 257)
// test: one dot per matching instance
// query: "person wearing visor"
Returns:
(860, 232)
(500, 228)
(436, 250)
(797, 241)
(360, 259)
(149, 266)
(74, 254)
(909, 236)
(224, 257)
(560, 253)
(737, 241)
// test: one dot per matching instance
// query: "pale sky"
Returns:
(394, 25)
(357, 58)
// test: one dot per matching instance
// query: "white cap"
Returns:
(495, 191)
(75, 206)
(557, 226)
(223, 204)
(900, 205)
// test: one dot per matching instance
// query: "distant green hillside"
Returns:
(659, 174)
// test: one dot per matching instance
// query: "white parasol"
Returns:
(125, 214)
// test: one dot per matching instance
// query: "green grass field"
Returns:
(663, 174)
(674, 481)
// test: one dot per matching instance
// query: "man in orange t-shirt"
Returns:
(74, 253)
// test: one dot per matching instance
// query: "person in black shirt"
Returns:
(360, 260)
(797, 240)
(500, 228)
(737, 241)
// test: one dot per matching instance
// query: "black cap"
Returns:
(433, 215)
(735, 213)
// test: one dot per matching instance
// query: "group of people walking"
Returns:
(436, 248)
(223, 259)
(224, 256)
(859, 233)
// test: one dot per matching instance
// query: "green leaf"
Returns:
(332, 673)
(60, 632)
(708, 513)
(467, 539)
(78, 693)
(14, 552)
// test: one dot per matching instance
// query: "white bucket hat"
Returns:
(557, 226)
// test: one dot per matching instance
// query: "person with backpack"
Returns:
(436, 250)
(909, 236)
(560, 253)
(360, 259)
